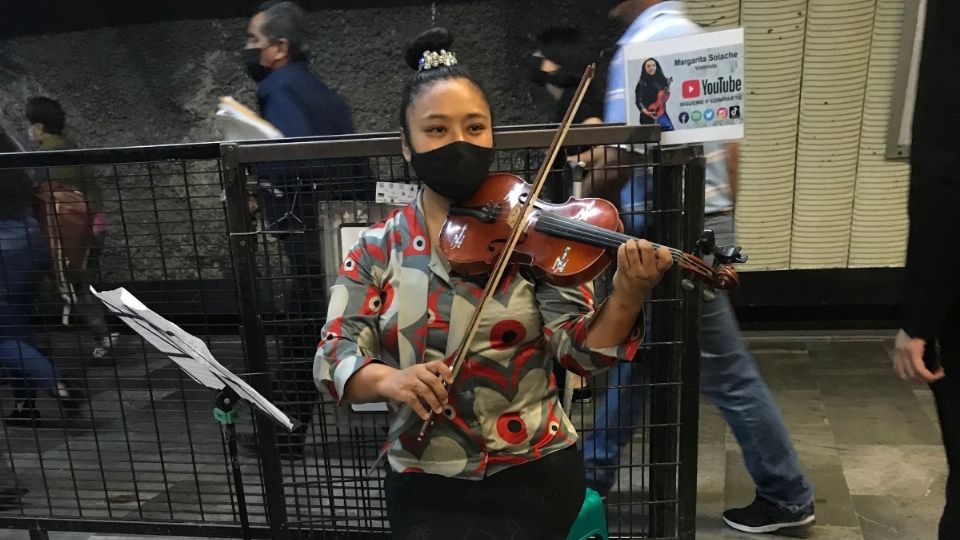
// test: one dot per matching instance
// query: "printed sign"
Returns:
(395, 193)
(691, 86)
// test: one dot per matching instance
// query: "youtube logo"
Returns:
(691, 88)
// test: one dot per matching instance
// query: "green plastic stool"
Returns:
(592, 521)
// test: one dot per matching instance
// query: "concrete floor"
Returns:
(869, 442)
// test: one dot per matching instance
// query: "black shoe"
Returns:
(24, 414)
(762, 516)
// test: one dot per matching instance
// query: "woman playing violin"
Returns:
(501, 460)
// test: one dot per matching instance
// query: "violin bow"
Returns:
(518, 226)
(405, 416)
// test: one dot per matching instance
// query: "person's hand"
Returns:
(908, 360)
(418, 385)
(639, 269)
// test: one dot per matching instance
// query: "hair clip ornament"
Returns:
(433, 59)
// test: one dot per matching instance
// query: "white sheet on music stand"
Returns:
(188, 351)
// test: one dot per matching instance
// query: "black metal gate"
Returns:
(238, 243)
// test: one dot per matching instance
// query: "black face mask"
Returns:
(454, 171)
(559, 78)
(252, 65)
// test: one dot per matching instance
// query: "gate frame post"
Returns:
(694, 178)
(675, 398)
(243, 249)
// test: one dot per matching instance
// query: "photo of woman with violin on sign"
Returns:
(653, 91)
(404, 326)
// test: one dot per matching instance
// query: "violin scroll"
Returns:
(717, 276)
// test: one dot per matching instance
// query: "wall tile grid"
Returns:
(816, 190)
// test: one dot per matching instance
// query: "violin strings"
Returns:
(554, 224)
(603, 241)
(588, 228)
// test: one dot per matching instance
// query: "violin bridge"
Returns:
(562, 260)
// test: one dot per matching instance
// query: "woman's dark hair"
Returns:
(434, 39)
(284, 20)
(46, 111)
(659, 78)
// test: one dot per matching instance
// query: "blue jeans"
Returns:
(23, 262)
(730, 379)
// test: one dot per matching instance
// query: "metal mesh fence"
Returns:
(98, 424)
(238, 244)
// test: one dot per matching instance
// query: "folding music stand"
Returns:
(195, 359)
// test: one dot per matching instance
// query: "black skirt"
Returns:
(535, 500)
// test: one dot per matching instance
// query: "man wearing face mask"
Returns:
(298, 104)
(291, 98)
(557, 64)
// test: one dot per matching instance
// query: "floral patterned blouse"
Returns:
(395, 302)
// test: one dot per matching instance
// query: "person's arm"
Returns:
(930, 287)
(607, 170)
(639, 269)
(348, 361)
(587, 340)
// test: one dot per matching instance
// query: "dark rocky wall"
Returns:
(158, 83)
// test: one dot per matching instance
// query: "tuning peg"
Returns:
(729, 255)
(707, 242)
(708, 295)
(687, 284)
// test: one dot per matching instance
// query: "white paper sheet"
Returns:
(188, 351)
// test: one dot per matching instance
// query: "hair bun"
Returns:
(434, 39)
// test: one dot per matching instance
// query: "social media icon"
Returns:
(695, 116)
(708, 115)
(721, 113)
(691, 88)
(684, 118)
(734, 111)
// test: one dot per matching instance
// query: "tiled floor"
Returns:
(868, 441)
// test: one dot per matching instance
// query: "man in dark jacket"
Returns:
(298, 104)
(291, 98)
(928, 344)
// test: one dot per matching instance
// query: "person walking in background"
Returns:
(298, 104)
(557, 63)
(927, 347)
(24, 261)
(729, 374)
(73, 221)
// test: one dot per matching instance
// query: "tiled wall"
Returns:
(815, 188)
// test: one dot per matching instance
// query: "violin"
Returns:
(567, 244)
